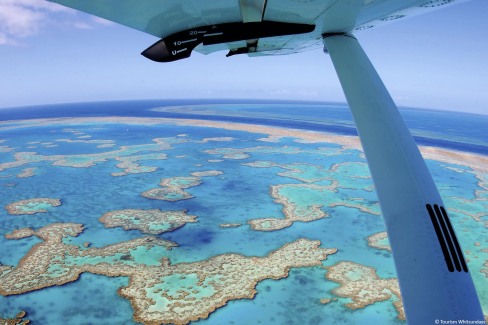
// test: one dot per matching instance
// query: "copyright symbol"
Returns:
(436, 321)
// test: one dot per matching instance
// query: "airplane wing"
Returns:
(177, 19)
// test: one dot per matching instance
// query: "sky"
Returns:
(52, 54)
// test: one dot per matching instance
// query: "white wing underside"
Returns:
(162, 18)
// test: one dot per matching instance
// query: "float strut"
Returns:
(434, 280)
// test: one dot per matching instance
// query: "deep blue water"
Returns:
(451, 130)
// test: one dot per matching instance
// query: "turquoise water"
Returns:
(240, 194)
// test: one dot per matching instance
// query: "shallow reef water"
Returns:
(252, 217)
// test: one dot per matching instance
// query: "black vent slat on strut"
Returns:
(454, 239)
(447, 239)
(440, 237)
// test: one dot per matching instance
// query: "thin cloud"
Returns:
(23, 18)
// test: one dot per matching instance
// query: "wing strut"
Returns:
(435, 282)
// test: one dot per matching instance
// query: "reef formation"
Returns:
(160, 292)
(173, 189)
(32, 206)
(152, 222)
(363, 286)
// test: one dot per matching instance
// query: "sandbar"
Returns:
(230, 225)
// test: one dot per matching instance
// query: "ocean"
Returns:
(225, 163)
(451, 130)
